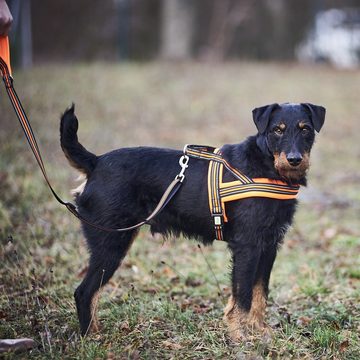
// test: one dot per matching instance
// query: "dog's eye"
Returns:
(305, 130)
(278, 131)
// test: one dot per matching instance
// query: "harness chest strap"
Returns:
(243, 187)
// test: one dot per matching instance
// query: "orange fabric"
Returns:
(262, 187)
(5, 51)
(264, 183)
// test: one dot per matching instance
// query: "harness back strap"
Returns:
(243, 187)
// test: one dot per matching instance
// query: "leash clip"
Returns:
(183, 162)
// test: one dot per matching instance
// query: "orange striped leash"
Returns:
(5, 69)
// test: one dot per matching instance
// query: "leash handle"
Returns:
(5, 51)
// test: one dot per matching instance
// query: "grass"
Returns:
(165, 303)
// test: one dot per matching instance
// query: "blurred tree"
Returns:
(124, 13)
(75, 30)
(288, 21)
(21, 33)
(177, 29)
(225, 17)
(172, 29)
(145, 29)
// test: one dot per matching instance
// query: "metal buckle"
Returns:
(183, 162)
(218, 219)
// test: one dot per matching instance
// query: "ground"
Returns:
(165, 302)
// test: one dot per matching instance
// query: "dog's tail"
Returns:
(77, 155)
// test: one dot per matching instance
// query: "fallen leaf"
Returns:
(125, 326)
(150, 290)
(110, 356)
(303, 321)
(202, 309)
(49, 260)
(330, 233)
(175, 280)
(344, 345)
(168, 272)
(193, 282)
(171, 345)
(3, 314)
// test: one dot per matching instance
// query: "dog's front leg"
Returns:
(247, 296)
(261, 286)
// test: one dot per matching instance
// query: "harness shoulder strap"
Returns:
(212, 154)
(215, 172)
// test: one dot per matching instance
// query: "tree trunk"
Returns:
(177, 26)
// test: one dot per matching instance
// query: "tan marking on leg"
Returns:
(258, 311)
(94, 323)
(242, 325)
(258, 307)
(235, 320)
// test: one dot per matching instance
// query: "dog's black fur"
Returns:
(124, 185)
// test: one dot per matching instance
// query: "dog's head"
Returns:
(287, 132)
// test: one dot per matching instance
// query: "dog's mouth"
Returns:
(290, 172)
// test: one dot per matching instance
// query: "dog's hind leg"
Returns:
(106, 256)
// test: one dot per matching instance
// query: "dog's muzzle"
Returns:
(292, 166)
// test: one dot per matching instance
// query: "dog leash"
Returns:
(5, 70)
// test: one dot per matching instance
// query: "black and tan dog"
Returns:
(124, 185)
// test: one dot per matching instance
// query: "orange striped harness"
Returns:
(243, 187)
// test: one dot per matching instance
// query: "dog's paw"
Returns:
(267, 334)
(242, 331)
(235, 319)
(238, 336)
(243, 326)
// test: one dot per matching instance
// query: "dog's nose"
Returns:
(294, 159)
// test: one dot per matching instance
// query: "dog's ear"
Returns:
(261, 116)
(317, 115)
